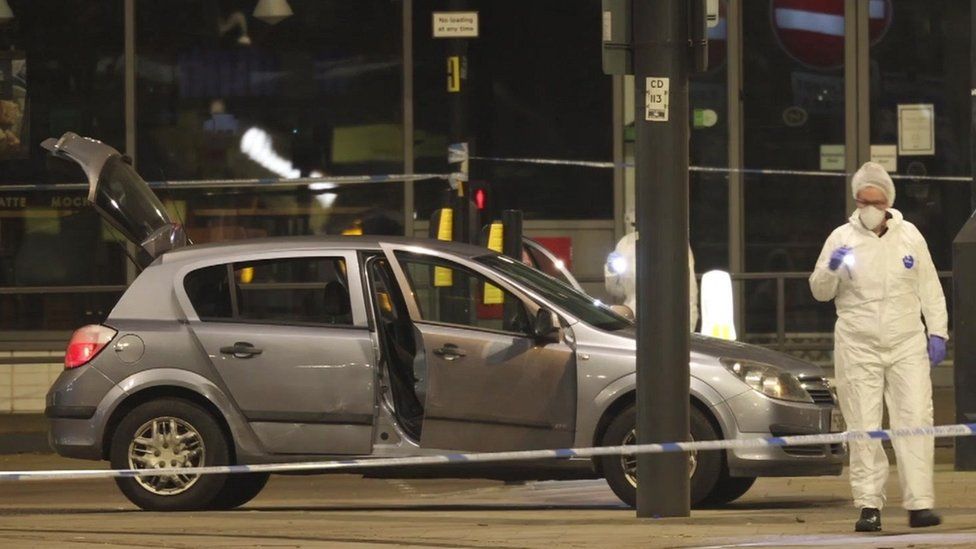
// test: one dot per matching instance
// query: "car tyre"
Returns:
(707, 466)
(168, 431)
(240, 489)
(728, 489)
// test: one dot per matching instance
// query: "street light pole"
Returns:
(458, 89)
(661, 59)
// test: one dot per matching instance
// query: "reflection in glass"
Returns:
(314, 83)
(531, 94)
(924, 60)
(793, 120)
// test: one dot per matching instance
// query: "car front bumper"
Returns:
(758, 416)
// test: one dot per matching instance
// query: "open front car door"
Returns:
(495, 381)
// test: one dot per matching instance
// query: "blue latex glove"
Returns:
(837, 257)
(937, 350)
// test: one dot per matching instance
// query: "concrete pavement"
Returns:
(23, 433)
(347, 511)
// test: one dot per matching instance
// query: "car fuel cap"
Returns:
(129, 348)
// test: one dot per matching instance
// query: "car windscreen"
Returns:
(580, 305)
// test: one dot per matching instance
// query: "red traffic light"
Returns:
(479, 198)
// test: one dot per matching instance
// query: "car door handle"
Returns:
(449, 352)
(241, 349)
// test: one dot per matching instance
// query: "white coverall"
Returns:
(880, 350)
(624, 285)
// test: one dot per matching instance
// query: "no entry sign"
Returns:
(812, 31)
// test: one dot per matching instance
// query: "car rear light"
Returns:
(86, 343)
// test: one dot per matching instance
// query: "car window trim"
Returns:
(270, 286)
(368, 299)
(348, 255)
(471, 328)
(266, 322)
(232, 288)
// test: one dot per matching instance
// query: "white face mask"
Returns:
(871, 217)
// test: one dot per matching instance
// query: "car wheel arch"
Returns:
(629, 398)
(153, 392)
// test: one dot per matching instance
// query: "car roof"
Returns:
(304, 243)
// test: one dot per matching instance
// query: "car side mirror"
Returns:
(623, 311)
(545, 326)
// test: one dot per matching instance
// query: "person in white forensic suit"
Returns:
(878, 270)
(620, 276)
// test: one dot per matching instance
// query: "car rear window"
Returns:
(305, 290)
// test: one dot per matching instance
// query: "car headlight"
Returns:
(768, 380)
(616, 263)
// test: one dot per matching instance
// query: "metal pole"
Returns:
(130, 111)
(857, 136)
(512, 235)
(620, 227)
(737, 210)
(972, 95)
(964, 305)
(408, 165)
(458, 92)
(660, 31)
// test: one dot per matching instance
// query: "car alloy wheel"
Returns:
(171, 432)
(629, 461)
(166, 442)
(621, 471)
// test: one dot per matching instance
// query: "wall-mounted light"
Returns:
(272, 11)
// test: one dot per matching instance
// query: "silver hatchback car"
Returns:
(304, 348)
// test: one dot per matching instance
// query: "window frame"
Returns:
(404, 279)
(353, 279)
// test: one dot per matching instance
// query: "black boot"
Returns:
(923, 517)
(870, 520)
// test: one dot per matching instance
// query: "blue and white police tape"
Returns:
(941, 431)
(712, 169)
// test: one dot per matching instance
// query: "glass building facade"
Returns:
(212, 102)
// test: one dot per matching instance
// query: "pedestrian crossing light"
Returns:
(479, 199)
(478, 193)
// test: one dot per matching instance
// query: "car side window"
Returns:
(209, 292)
(451, 294)
(302, 290)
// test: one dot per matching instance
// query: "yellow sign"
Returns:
(443, 277)
(454, 74)
(495, 235)
(446, 226)
(493, 295)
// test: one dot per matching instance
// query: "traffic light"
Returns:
(479, 193)
(479, 199)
